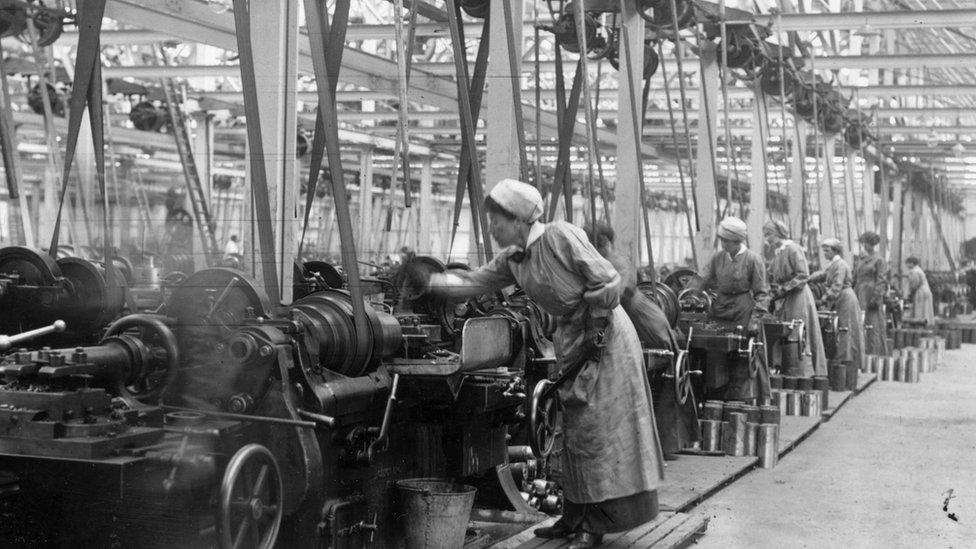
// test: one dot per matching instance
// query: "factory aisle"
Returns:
(876, 475)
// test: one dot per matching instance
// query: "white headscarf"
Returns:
(519, 199)
(733, 228)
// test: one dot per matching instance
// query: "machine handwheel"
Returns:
(250, 504)
(682, 377)
(542, 421)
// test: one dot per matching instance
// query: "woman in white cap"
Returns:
(870, 285)
(840, 297)
(788, 274)
(612, 463)
(738, 276)
(919, 293)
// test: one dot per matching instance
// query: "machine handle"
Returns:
(6, 342)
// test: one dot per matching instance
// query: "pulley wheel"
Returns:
(210, 305)
(35, 267)
(13, 19)
(679, 279)
(664, 296)
(475, 8)
(250, 501)
(49, 24)
(542, 420)
(91, 303)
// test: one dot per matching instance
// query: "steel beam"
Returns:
(901, 19)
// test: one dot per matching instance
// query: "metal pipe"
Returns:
(244, 417)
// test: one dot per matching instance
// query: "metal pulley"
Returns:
(478, 9)
(659, 15)
(146, 116)
(855, 134)
(90, 303)
(831, 119)
(564, 30)
(681, 278)
(36, 102)
(664, 296)
(770, 81)
(651, 60)
(13, 18)
(693, 299)
(49, 24)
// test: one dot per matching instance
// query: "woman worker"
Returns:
(612, 461)
(788, 274)
(919, 293)
(870, 284)
(738, 276)
(840, 297)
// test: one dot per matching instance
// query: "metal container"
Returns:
(837, 374)
(901, 367)
(779, 400)
(789, 383)
(874, 363)
(752, 413)
(822, 384)
(804, 383)
(912, 375)
(768, 445)
(729, 409)
(793, 400)
(899, 337)
(924, 362)
(775, 382)
(887, 368)
(713, 410)
(711, 435)
(810, 404)
(752, 438)
(769, 414)
(734, 435)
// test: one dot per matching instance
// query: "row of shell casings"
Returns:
(906, 367)
(908, 337)
(739, 429)
(798, 403)
(957, 333)
(938, 344)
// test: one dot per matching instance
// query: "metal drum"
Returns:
(837, 375)
(768, 445)
(713, 410)
(793, 400)
(887, 368)
(734, 435)
(775, 382)
(822, 384)
(711, 435)
(901, 366)
(912, 373)
(810, 404)
(789, 383)
(924, 362)
(752, 413)
(752, 438)
(804, 383)
(779, 401)
(769, 414)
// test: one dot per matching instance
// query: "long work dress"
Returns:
(840, 297)
(788, 274)
(740, 286)
(612, 463)
(870, 284)
(921, 296)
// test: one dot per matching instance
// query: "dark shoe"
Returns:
(557, 530)
(585, 540)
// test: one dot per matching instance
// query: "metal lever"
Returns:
(6, 342)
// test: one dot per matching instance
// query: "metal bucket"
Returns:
(435, 512)
(711, 435)
(734, 435)
(793, 403)
(810, 404)
(768, 445)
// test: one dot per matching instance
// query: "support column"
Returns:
(201, 147)
(884, 210)
(850, 205)
(502, 154)
(274, 41)
(824, 154)
(426, 213)
(896, 237)
(867, 198)
(797, 182)
(626, 218)
(759, 185)
(363, 238)
(705, 180)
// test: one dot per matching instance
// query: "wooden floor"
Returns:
(667, 531)
(690, 479)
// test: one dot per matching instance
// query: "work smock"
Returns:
(921, 296)
(740, 285)
(870, 285)
(611, 449)
(839, 297)
(788, 274)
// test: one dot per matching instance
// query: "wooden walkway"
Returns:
(667, 531)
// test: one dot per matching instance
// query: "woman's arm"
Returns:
(457, 285)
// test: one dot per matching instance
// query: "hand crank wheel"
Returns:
(682, 377)
(150, 382)
(250, 504)
(542, 421)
